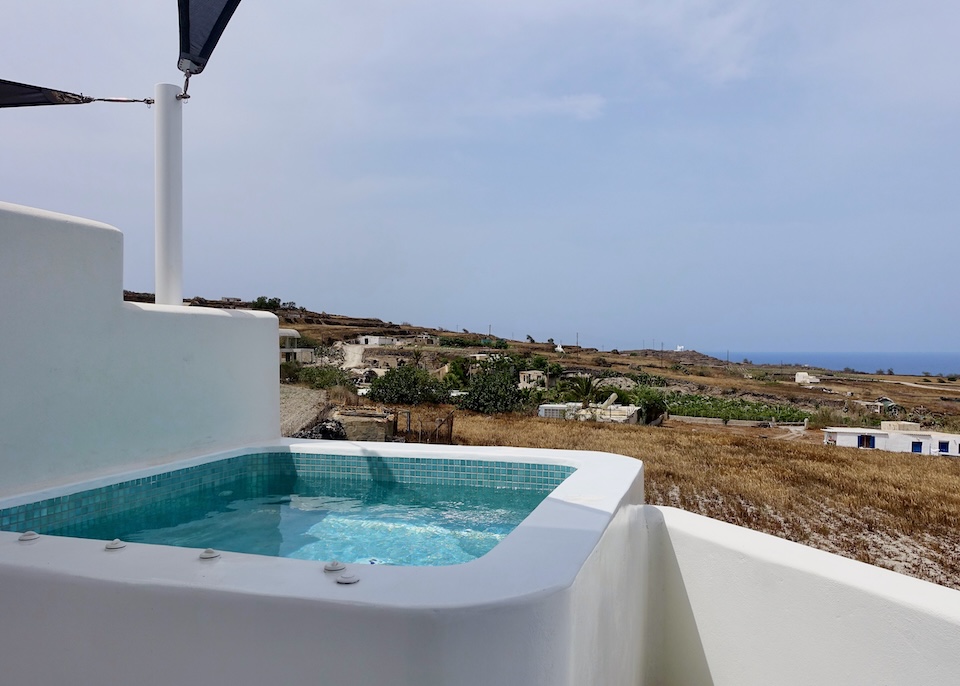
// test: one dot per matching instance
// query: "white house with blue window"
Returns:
(895, 437)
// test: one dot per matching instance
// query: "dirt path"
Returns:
(925, 387)
(793, 433)
(780, 433)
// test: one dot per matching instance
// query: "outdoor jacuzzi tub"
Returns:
(558, 601)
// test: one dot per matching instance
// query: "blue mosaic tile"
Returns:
(61, 513)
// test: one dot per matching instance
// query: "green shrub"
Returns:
(644, 379)
(407, 385)
(651, 402)
(290, 372)
(325, 376)
(456, 342)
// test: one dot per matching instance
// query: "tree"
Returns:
(530, 339)
(459, 375)
(538, 362)
(493, 389)
(624, 396)
(582, 389)
(407, 385)
(554, 370)
(265, 303)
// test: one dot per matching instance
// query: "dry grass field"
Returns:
(897, 511)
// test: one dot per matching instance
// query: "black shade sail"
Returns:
(13, 94)
(201, 24)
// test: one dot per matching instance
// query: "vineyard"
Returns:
(692, 405)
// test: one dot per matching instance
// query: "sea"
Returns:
(947, 364)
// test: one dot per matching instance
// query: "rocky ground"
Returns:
(299, 407)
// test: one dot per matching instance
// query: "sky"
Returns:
(722, 175)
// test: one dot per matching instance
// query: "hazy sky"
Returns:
(735, 174)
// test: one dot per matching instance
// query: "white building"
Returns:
(532, 378)
(895, 437)
(377, 341)
(419, 339)
(618, 414)
(290, 350)
(558, 410)
(805, 377)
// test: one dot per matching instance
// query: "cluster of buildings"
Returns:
(892, 436)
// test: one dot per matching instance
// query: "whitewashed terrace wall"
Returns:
(89, 383)
(741, 608)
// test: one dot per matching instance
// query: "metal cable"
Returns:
(147, 101)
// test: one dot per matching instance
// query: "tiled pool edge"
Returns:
(67, 510)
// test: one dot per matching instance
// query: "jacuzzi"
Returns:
(558, 601)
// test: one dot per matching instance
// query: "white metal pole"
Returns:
(168, 198)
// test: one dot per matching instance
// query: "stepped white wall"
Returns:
(89, 383)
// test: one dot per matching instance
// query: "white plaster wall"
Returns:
(845, 440)
(609, 616)
(849, 440)
(903, 443)
(87, 632)
(892, 441)
(743, 608)
(89, 383)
